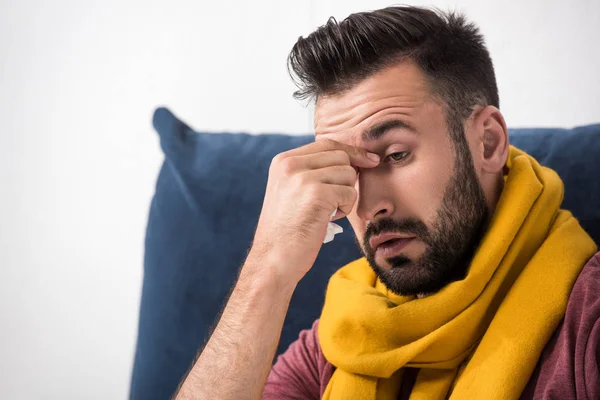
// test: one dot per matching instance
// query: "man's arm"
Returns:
(305, 186)
(237, 358)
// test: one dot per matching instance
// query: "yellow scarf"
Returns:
(478, 338)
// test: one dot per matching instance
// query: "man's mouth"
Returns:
(392, 247)
(388, 238)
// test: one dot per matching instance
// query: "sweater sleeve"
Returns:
(569, 367)
(301, 372)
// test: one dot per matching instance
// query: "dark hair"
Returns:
(449, 50)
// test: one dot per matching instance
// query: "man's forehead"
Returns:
(399, 90)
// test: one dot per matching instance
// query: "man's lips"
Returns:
(392, 248)
(381, 239)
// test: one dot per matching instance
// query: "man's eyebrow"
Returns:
(378, 131)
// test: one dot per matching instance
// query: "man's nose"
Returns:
(375, 196)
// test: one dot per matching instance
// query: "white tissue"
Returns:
(332, 229)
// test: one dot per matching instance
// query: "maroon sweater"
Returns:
(569, 367)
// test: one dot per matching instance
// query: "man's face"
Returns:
(420, 214)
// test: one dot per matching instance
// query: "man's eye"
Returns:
(399, 156)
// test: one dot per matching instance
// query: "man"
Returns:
(474, 284)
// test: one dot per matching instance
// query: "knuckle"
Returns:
(287, 165)
(342, 156)
(350, 195)
(312, 192)
(329, 143)
(302, 179)
(349, 169)
(277, 160)
(353, 195)
(279, 157)
(346, 171)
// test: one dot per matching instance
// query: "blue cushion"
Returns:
(202, 219)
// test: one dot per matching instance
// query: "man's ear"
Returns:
(493, 136)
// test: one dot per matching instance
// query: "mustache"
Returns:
(411, 226)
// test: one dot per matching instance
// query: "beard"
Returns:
(451, 241)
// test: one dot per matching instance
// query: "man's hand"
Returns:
(306, 185)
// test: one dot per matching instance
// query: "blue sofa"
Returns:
(202, 219)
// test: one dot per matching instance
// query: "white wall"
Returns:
(78, 157)
(545, 53)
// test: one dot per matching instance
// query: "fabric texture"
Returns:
(302, 372)
(202, 218)
(479, 337)
(569, 368)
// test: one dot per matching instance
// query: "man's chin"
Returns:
(400, 260)
(406, 277)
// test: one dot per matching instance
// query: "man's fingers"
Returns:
(334, 175)
(357, 157)
(346, 197)
(322, 160)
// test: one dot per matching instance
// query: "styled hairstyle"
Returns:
(449, 50)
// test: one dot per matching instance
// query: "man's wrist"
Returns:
(262, 272)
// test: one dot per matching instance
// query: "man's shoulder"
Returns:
(593, 265)
(569, 364)
(584, 300)
(590, 270)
